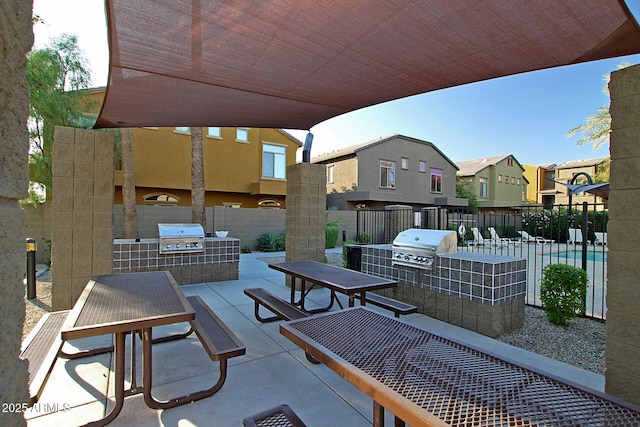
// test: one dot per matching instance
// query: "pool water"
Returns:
(591, 255)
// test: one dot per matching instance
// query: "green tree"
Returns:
(596, 128)
(464, 191)
(58, 77)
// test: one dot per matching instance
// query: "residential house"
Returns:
(396, 170)
(243, 167)
(497, 181)
(541, 189)
(575, 170)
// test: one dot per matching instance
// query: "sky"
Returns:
(527, 115)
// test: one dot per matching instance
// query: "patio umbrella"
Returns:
(295, 63)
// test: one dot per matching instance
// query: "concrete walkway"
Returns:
(272, 372)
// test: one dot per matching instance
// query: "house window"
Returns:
(213, 132)
(499, 178)
(242, 134)
(269, 204)
(423, 166)
(506, 179)
(387, 174)
(330, 174)
(182, 130)
(518, 181)
(436, 181)
(513, 180)
(160, 199)
(483, 187)
(274, 161)
(405, 163)
(509, 161)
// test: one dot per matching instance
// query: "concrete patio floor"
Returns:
(272, 372)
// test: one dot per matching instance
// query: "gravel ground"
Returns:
(581, 343)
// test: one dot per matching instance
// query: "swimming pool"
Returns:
(591, 255)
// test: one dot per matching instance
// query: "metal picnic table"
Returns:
(337, 279)
(428, 380)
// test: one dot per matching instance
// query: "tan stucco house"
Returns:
(393, 170)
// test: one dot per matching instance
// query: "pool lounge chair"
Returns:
(479, 240)
(575, 237)
(601, 238)
(528, 238)
(495, 237)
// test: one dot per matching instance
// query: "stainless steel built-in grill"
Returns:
(418, 248)
(180, 238)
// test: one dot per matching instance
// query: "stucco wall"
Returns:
(622, 376)
(16, 38)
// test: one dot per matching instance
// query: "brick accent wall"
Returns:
(82, 211)
(622, 377)
(305, 213)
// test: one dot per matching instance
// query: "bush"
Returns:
(364, 238)
(563, 292)
(245, 249)
(331, 232)
(271, 242)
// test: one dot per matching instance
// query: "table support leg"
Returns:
(119, 385)
(147, 379)
(378, 414)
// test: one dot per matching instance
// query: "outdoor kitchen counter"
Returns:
(481, 292)
(218, 262)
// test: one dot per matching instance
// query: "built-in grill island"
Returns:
(184, 251)
(180, 238)
(418, 247)
(482, 292)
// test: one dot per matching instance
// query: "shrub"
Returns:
(563, 292)
(245, 249)
(364, 238)
(331, 232)
(271, 242)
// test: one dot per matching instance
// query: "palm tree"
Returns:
(198, 214)
(597, 127)
(128, 186)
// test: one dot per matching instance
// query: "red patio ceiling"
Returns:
(295, 63)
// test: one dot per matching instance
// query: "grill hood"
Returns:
(418, 248)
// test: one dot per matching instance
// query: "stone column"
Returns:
(81, 235)
(622, 377)
(16, 38)
(305, 215)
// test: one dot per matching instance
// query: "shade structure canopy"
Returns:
(295, 63)
(600, 190)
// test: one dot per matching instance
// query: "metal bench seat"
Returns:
(398, 307)
(41, 348)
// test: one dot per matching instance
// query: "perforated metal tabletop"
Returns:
(425, 379)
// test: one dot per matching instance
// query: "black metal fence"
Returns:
(573, 235)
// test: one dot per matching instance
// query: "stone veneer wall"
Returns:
(81, 232)
(16, 38)
(480, 292)
(305, 213)
(218, 262)
(622, 376)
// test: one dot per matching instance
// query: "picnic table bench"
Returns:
(398, 307)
